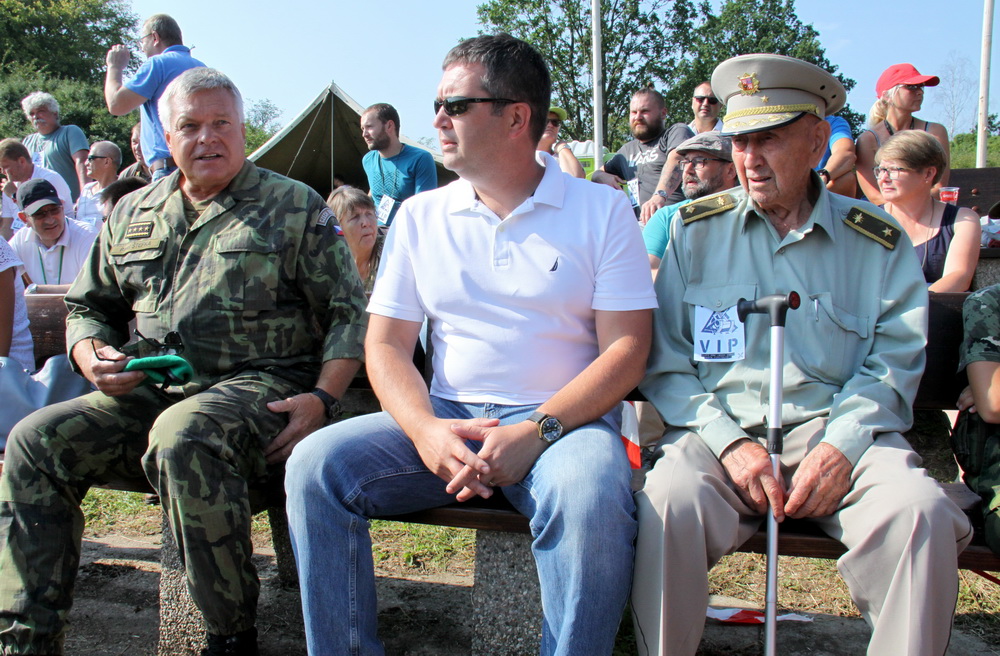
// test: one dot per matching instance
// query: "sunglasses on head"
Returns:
(457, 105)
(712, 100)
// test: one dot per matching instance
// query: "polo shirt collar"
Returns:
(551, 190)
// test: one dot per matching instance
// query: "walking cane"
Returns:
(776, 307)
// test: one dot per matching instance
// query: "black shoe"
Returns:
(243, 643)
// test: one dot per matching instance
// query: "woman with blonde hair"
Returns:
(946, 237)
(900, 91)
(354, 211)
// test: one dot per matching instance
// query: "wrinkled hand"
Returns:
(444, 452)
(509, 450)
(820, 483)
(749, 467)
(306, 415)
(106, 374)
(603, 177)
(966, 401)
(117, 56)
(655, 202)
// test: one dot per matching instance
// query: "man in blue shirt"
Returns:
(395, 170)
(166, 58)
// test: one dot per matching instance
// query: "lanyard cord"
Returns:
(45, 278)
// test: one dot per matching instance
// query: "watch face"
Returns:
(551, 429)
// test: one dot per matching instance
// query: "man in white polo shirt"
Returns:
(538, 297)
(52, 247)
(16, 167)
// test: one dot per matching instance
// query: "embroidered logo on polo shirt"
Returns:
(555, 265)
(139, 230)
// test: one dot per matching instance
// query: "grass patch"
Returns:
(399, 548)
(113, 511)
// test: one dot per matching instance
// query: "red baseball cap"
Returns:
(903, 74)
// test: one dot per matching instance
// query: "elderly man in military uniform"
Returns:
(853, 360)
(242, 269)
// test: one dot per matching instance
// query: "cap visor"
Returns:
(39, 204)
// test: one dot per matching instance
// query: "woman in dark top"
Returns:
(946, 237)
(354, 211)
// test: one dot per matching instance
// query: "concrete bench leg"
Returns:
(182, 631)
(506, 601)
(284, 558)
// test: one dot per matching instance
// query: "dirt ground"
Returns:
(116, 613)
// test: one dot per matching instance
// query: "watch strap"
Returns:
(331, 404)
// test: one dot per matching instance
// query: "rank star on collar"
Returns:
(887, 232)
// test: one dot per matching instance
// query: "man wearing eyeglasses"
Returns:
(706, 164)
(166, 58)
(102, 166)
(52, 247)
(538, 301)
(706, 108)
(551, 143)
(853, 362)
(395, 170)
(17, 168)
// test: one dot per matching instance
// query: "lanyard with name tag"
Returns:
(385, 208)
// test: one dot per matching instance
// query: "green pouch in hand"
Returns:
(162, 369)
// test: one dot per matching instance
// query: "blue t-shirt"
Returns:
(656, 234)
(839, 129)
(150, 82)
(408, 173)
(54, 151)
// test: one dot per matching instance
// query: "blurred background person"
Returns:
(137, 168)
(17, 168)
(117, 190)
(836, 168)
(102, 165)
(900, 91)
(60, 148)
(946, 237)
(354, 211)
(553, 145)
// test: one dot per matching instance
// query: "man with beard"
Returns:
(395, 170)
(640, 161)
(706, 163)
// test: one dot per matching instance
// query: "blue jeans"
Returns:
(577, 497)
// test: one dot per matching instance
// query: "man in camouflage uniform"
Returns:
(244, 269)
(978, 445)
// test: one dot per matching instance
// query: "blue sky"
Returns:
(391, 50)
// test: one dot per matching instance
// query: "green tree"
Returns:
(675, 44)
(66, 39)
(262, 122)
(632, 30)
(742, 27)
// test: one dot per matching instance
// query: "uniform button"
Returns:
(781, 251)
(718, 304)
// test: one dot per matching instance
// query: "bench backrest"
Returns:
(47, 314)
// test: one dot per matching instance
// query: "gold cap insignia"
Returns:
(764, 99)
(749, 84)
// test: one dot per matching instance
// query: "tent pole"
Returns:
(333, 135)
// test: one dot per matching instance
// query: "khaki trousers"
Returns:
(902, 534)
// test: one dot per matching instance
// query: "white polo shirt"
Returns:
(512, 303)
(59, 264)
(62, 190)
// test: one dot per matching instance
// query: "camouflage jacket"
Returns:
(259, 280)
(981, 317)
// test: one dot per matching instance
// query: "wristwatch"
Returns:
(823, 173)
(550, 429)
(661, 193)
(332, 404)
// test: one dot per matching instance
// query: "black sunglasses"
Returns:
(91, 158)
(457, 105)
(712, 100)
(554, 122)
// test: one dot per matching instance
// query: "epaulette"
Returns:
(873, 226)
(707, 206)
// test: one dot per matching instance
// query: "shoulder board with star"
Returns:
(708, 206)
(873, 226)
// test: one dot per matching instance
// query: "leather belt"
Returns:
(165, 163)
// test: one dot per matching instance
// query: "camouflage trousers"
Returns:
(198, 448)
(977, 449)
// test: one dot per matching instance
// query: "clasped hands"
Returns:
(818, 485)
(507, 454)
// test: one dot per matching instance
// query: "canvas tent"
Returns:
(323, 139)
